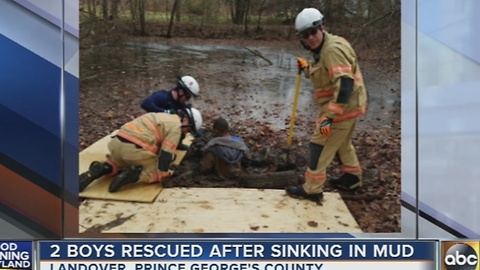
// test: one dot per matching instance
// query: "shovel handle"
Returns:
(294, 107)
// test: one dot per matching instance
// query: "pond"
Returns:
(234, 82)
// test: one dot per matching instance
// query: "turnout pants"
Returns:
(322, 151)
(124, 153)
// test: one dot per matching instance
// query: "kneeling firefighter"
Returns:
(144, 148)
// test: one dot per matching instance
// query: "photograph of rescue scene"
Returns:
(232, 116)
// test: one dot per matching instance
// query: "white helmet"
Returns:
(189, 84)
(194, 116)
(308, 18)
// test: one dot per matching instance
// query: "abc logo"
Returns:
(461, 257)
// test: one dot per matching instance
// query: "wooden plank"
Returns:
(218, 210)
(137, 192)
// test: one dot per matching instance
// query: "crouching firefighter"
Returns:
(143, 149)
(341, 97)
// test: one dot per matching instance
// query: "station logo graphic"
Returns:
(460, 255)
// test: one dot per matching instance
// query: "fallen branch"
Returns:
(362, 197)
(259, 54)
(99, 228)
(267, 180)
(273, 180)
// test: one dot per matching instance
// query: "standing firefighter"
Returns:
(143, 149)
(341, 97)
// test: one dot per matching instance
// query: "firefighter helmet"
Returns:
(189, 84)
(308, 18)
(194, 116)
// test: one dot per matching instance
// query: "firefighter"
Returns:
(143, 149)
(172, 100)
(223, 154)
(341, 96)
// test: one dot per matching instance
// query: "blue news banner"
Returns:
(16, 254)
(237, 255)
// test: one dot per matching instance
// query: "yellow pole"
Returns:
(294, 108)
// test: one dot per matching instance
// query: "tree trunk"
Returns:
(260, 11)
(232, 9)
(178, 16)
(91, 9)
(133, 13)
(369, 8)
(240, 10)
(204, 14)
(172, 15)
(141, 15)
(274, 180)
(246, 16)
(114, 9)
(105, 9)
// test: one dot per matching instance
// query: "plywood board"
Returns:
(136, 192)
(98, 189)
(218, 210)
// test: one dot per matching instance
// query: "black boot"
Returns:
(347, 181)
(96, 170)
(300, 193)
(129, 174)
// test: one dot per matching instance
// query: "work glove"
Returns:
(302, 63)
(325, 126)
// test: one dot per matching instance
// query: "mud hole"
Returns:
(256, 98)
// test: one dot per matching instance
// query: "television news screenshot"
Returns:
(239, 135)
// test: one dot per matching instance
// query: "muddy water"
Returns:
(233, 81)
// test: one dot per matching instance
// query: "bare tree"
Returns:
(239, 10)
(91, 8)
(141, 14)
(260, 11)
(205, 7)
(246, 5)
(378, 23)
(105, 9)
(137, 11)
(172, 15)
(114, 9)
(133, 14)
(178, 12)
